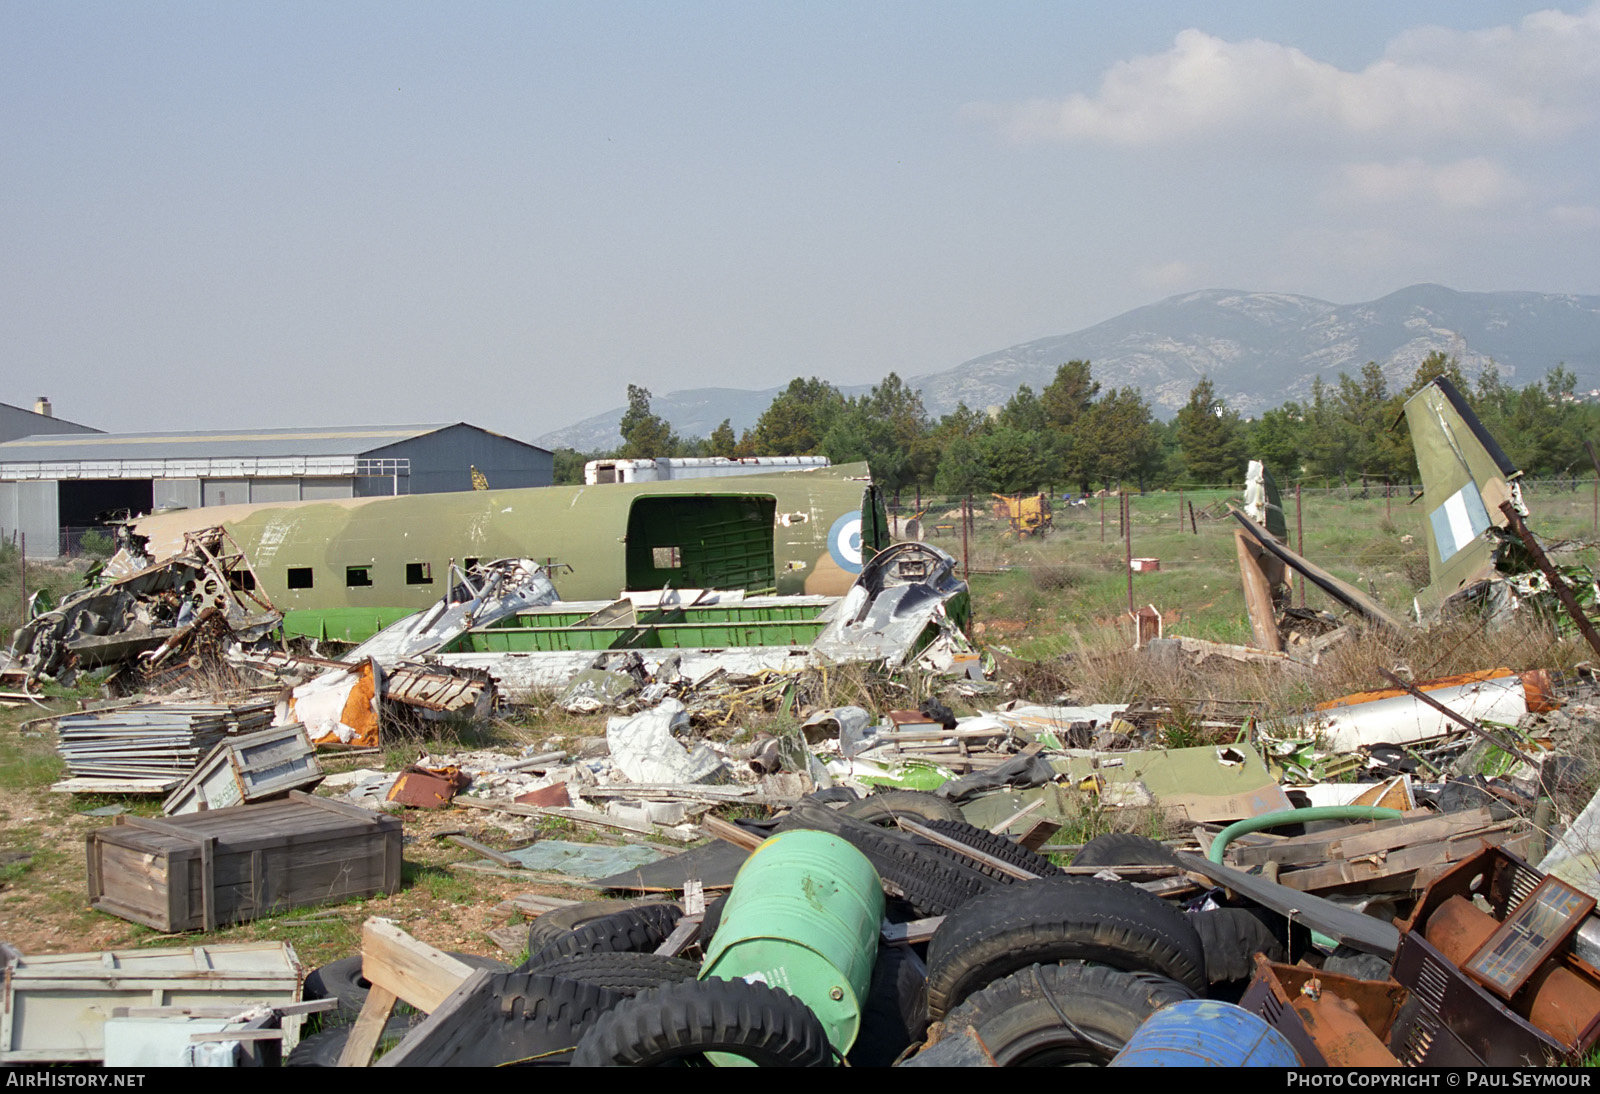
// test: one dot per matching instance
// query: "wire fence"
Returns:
(1336, 523)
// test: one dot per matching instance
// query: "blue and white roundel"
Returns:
(844, 542)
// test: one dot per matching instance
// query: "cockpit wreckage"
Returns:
(145, 612)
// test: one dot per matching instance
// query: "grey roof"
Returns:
(326, 441)
(17, 422)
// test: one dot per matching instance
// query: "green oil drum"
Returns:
(804, 916)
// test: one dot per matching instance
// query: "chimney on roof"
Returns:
(41, 405)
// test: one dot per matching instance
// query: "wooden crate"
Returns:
(56, 1005)
(201, 870)
(249, 768)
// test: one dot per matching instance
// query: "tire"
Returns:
(342, 980)
(323, 1049)
(1000, 847)
(1059, 919)
(539, 1019)
(1230, 937)
(550, 926)
(712, 920)
(1363, 966)
(894, 1014)
(765, 1025)
(935, 881)
(1124, 849)
(1050, 1015)
(884, 806)
(625, 973)
(634, 930)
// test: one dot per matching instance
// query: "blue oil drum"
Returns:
(1205, 1033)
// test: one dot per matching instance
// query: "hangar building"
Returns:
(55, 486)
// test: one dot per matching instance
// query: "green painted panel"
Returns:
(780, 632)
(342, 624)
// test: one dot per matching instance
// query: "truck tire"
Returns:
(1051, 1015)
(633, 930)
(553, 925)
(626, 973)
(1059, 919)
(765, 1025)
(1124, 849)
(1000, 847)
(884, 806)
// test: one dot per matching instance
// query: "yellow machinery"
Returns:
(1029, 514)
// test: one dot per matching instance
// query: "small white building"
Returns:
(596, 472)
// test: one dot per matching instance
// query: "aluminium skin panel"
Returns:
(817, 536)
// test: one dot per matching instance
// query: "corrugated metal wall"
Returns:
(442, 462)
(33, 509)
(322, 489)
(274, 490)
(175, 493)
(225, 491)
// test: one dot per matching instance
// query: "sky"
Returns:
(283, 214)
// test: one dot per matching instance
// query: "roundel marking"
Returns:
(844, 541)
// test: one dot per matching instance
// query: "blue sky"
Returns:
(284, 214)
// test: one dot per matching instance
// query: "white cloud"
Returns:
(1468, 184)
(1535, 81)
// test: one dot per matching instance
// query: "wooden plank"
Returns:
(1147, 872)
(717, 828)
(1392, 863)
(999, 829)
(912, 931)
(1316, 847)
(208, 883)
(960, 848)
(411, 970)
(344, 809)
(438, 1036)
(1039, 833)
(531, 905)
(1406, 835)
(368, 1029)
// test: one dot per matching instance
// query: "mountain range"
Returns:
(1260, 349)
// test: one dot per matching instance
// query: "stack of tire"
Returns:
(1065, 970)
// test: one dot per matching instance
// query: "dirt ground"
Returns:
(43, 880)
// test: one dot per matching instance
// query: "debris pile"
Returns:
(148, 747)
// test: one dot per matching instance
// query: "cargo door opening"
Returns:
(702, 543)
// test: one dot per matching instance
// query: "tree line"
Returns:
(1074, 436)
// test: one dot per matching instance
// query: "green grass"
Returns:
(1052, 595)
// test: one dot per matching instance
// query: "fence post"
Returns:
(966, 518)
(22, 568)
(1127, 552)
(1299, 544)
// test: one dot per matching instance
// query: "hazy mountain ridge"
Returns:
(1259, 349)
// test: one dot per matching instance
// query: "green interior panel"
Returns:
(717, 627)
(689, 542)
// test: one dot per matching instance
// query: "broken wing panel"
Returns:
(1465, 478)
(1342, 591)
